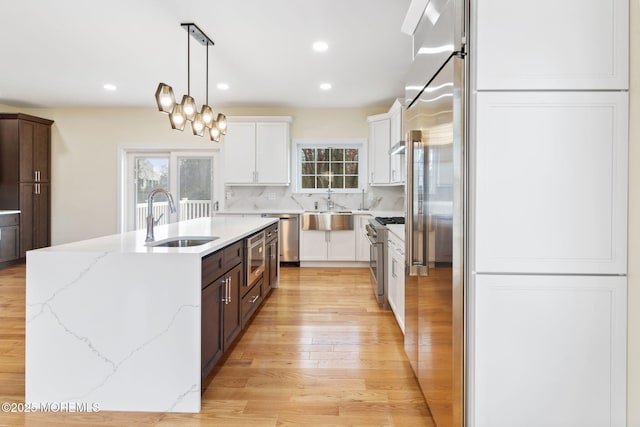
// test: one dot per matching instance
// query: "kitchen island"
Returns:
(114, 323)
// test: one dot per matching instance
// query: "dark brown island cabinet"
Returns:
(227, 302)
(25, 176)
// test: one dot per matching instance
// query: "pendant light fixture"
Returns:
(203, 121)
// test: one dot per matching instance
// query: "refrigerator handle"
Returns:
(417, 233)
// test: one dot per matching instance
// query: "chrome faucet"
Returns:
(150, 220)
(329, 201)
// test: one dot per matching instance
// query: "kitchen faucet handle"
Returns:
(155, 222)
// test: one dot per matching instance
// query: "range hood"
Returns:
(397, 148)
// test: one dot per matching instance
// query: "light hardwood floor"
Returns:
(320, 352)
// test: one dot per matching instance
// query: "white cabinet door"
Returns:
(239, 153)
(397, 172)
(551, 182)
(379, 151)
(313, 245)
(272, 153)
(571, 44)
(395, 277)
(341, 246)
(362, 244)
(552, 342)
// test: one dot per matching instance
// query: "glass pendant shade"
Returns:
(207, 116)
(189, 107)
(214, 133)
(165, 98)
(177, 118)
(222, 123)
(198, 125)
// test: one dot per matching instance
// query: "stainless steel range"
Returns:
(376, 233)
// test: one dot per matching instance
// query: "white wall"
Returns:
(85, 146)
(633, 385)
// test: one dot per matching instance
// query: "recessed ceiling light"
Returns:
(320, 46)
(222, 86)
(325, 86)
(110, 87)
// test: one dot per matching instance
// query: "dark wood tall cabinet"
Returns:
(25, 178)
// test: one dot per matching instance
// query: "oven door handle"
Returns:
(372, 243)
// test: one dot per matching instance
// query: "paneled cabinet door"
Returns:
(313, 245)
(551, 182)
(35, 146)
(231, 306)
(9, 243)
(397, 172)
(211, 345)
(240, 153)
(341, 245)
(362, 244)
(552, 342)
(34, 218)
(379, 135)
(272, 153)
(552, 45)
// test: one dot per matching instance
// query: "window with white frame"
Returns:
(325, 165)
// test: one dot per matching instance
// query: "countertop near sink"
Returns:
(113, 322)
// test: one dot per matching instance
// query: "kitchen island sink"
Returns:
(182, 242)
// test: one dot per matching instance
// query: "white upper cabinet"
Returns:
(548, 44)
(397, 161)
(379, 144)
(257, 150)
(551, 182)
(385, 130)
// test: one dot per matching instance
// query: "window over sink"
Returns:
(330, 164)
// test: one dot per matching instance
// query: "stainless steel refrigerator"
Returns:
(434, 124)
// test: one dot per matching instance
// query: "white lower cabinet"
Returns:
(549, 351)
(327, 245)
(362, 244)
(395, 277)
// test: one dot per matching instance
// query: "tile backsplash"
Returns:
(376, 198)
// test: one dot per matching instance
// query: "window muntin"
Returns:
(323, 167)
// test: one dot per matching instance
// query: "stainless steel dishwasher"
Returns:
(289, 237)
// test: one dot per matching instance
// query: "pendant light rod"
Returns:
(207, 78)
(188, 64)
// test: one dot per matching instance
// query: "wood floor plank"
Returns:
(319, 352)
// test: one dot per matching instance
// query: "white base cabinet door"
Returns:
(327, 245)
(395, 278)
(547, 44)
(362, 244)
(549, 351)
(551, 182)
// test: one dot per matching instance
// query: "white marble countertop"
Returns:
(227, 229)
(8, 212)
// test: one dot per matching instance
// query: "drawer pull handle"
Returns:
(254, 299)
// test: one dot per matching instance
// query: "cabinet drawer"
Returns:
(251, 301)
(271, 232)
(212, 267)
(233, 255)
(10, 219)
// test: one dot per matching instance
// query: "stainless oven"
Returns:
(376, 234)
(255, 257)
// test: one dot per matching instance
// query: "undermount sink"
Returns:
(182, 242)
(327, 220)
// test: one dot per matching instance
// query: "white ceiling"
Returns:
(60, 53)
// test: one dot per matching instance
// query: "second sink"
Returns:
(327, 221)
